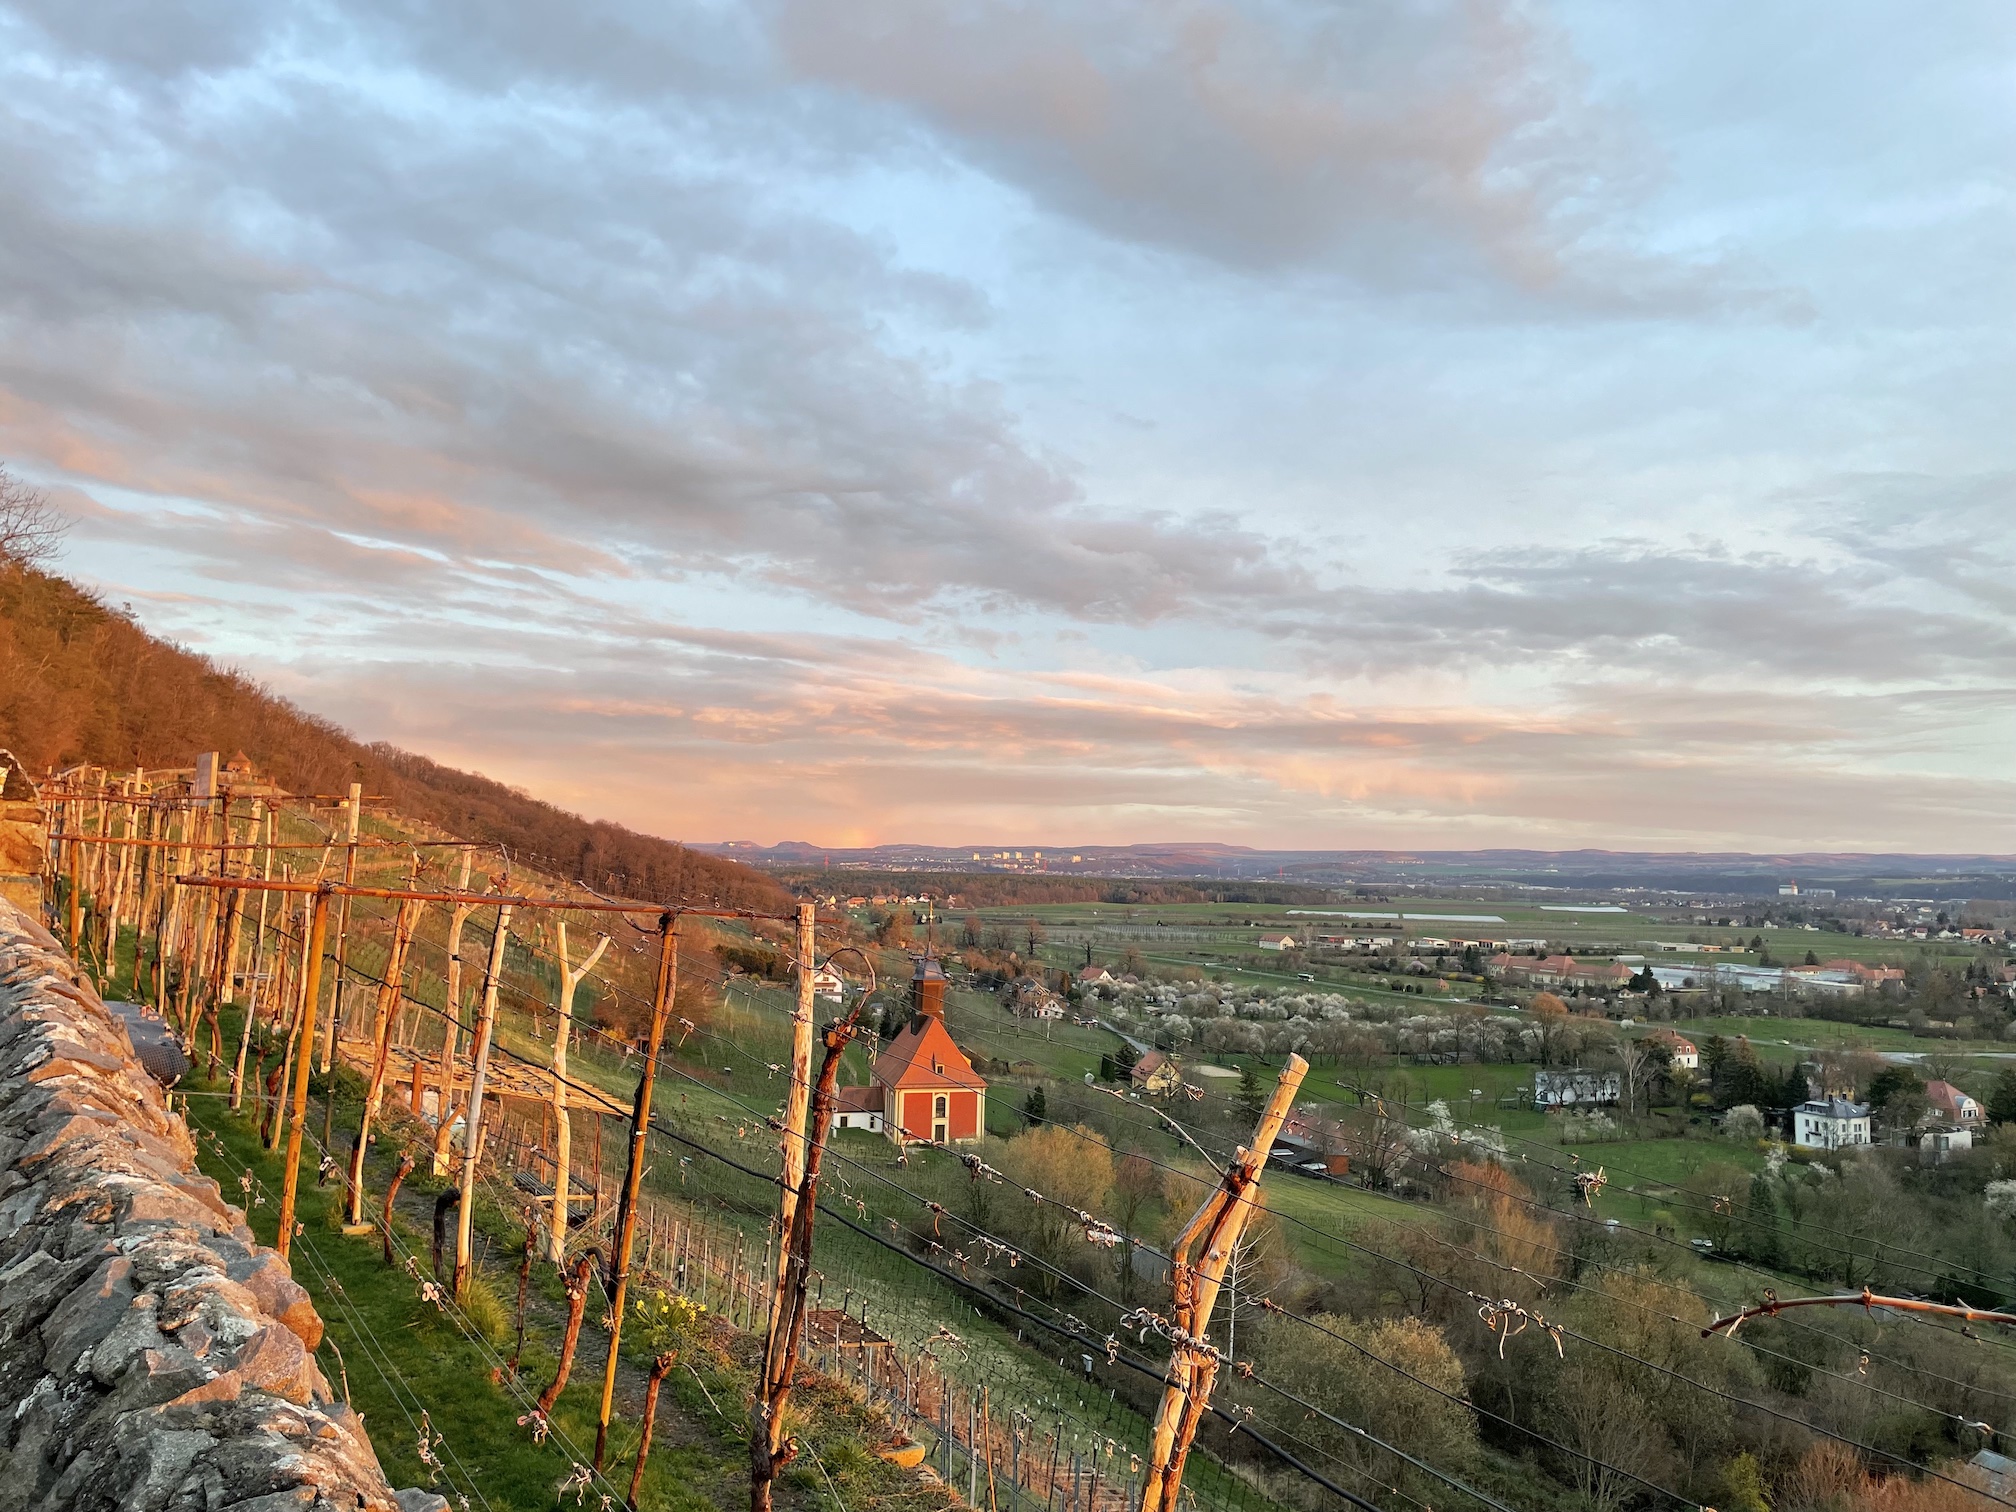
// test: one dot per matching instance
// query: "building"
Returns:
(858, 1108)
(1831, 1123)
(930, 1091)
(1278, 942)
(1951, 1105)
(1938, 1144)
(1574, 1087)
(1684, 1053)
(1095, 976)
(1156, 1074)
(826, 983)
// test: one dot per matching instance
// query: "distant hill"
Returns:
(83, 682)
(1215, 868)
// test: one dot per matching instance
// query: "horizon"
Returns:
(1510, 426)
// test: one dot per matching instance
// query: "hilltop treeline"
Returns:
(1006, 889)
(80, 681)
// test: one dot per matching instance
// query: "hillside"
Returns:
(83, 682)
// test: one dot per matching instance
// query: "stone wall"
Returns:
(152, 1354)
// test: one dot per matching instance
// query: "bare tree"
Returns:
(31, 528)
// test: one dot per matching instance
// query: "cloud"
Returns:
(1874, 617)
(1429, 144)
(400, 310)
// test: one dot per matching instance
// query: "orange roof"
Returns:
(923, 1055)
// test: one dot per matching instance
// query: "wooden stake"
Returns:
(563, 1146)
(796, 1103)
(769, 1450)
(472, 1127)
(352, 808)
(403, 928)
(318, 925)
(1193, 1365)
(633, 1177)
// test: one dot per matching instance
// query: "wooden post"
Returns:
(318, 926)
(633, 1177)
(452, 1020)
(472, 1125)
(563, 1137)
(351, 807)
(259, 817)
(70, 818)
(1193, 1364)
(797, 1101)
(403, 928)
(769, 1450)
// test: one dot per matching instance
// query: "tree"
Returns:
(1252, 1100)
(31, 528)
(2002, 1101)
(1124, 1061)
(1074, 1166)
(1550, 1016)
(1744, 1482)
(1034, 932)
(1035, 1107)
(1337, 1377)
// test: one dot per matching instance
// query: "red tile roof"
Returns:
(923, 1055)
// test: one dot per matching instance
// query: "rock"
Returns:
(273, 1360)
(265, 1277)
(152, 1354)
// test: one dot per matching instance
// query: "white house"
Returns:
(1686, 1055)
(1833, 1123)
(859, 1108)
(1577, 1088)
(826, 983)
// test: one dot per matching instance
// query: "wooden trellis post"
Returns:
(633, 1180)
(472, 1125)
(769, 1450)
(797, 1102)
(403, 928)
(1193, 1365)
(318, 927)
(563, 1127)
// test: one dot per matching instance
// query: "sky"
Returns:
(1423, 424)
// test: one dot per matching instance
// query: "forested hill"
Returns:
(82, 682)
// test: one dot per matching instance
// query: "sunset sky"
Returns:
(1310, 424)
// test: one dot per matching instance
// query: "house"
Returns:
(1861, 971)
(1938, 1144)
(930, 1091)
(826, 983)
(1831, 1123)
(1574, 1087)
(1951, 1105)
(858, 1108)
(1278, 942)
(1684, 1053)
(1607, 974)
(1095, 976)
(1156, 1074)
